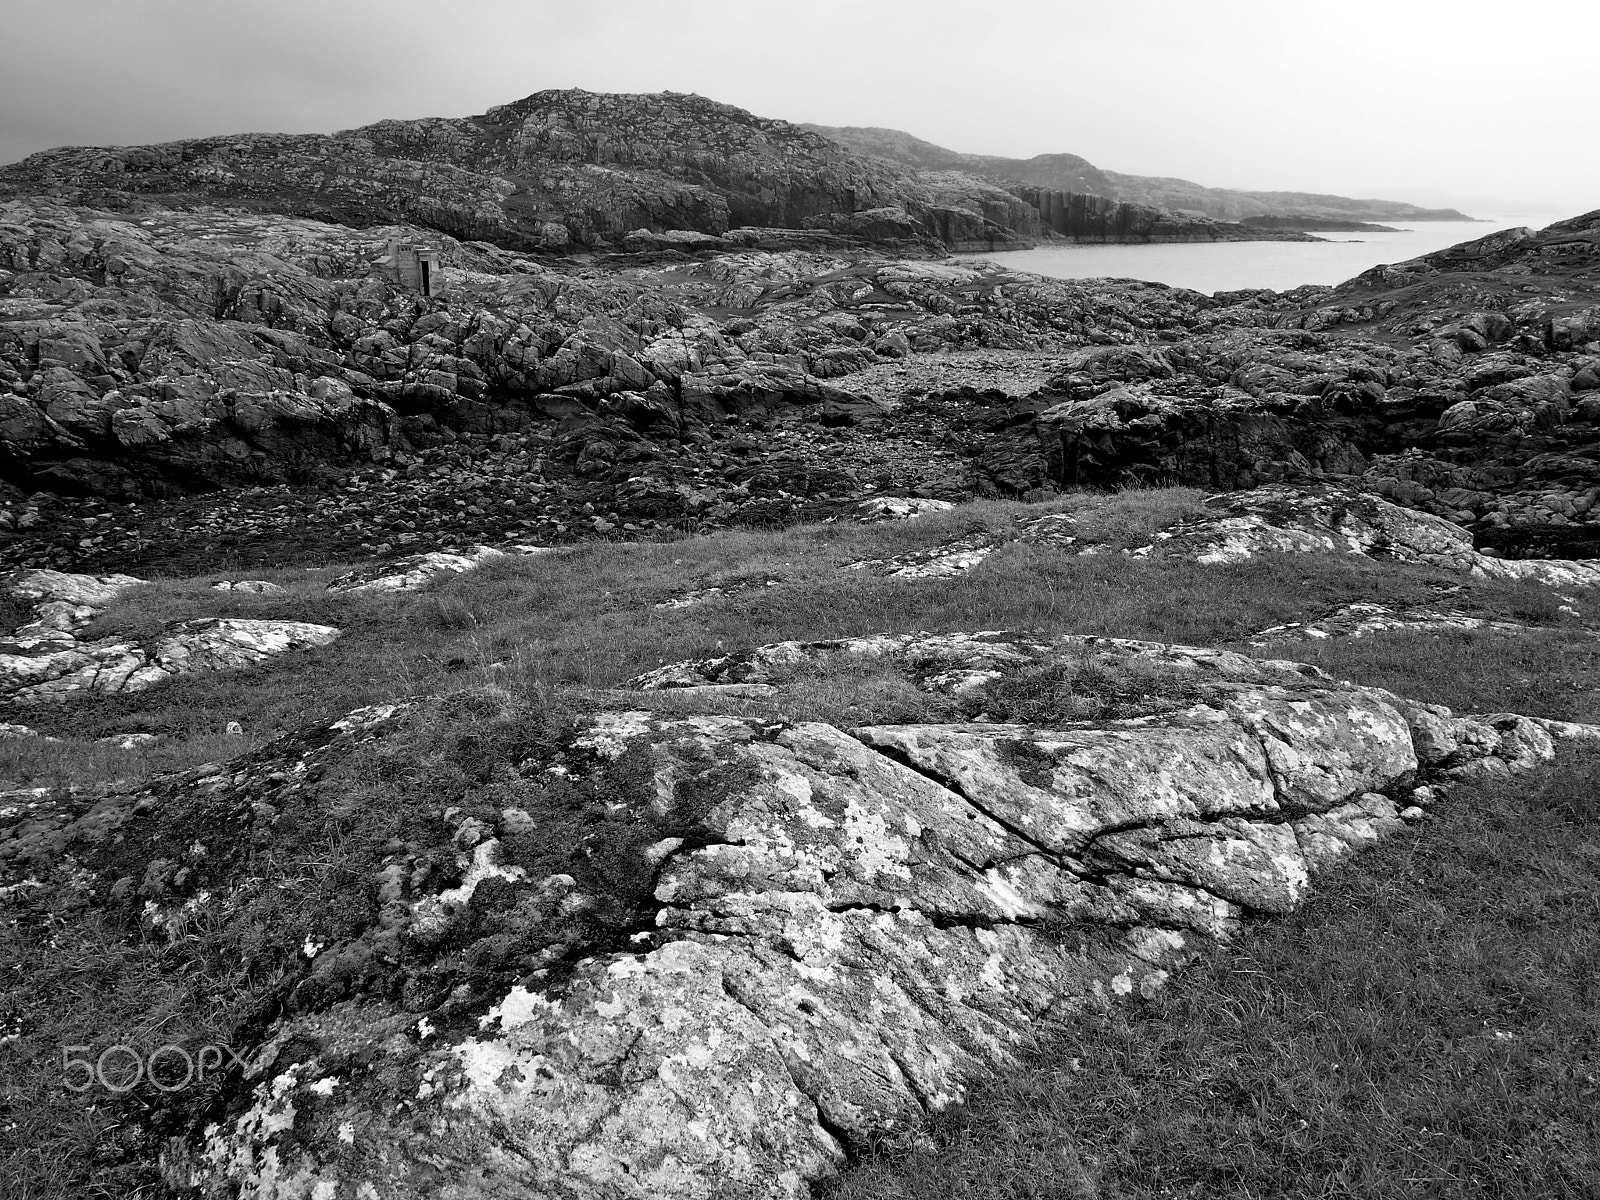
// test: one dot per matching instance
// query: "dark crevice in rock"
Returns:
(939, 920)
(1254, 816)
(954, 787)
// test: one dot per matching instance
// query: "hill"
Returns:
(557, 169)
(1068, 172)
(574, 171)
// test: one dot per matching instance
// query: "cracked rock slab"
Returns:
(46, 661)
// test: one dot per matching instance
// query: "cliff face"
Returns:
(1085, 217)
(557, 169)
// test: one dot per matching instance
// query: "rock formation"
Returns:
(1086, 217)
(45, 660)
(186, 352)
(555, 171)
(790, 939)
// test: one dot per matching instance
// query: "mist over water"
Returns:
(1226, 266)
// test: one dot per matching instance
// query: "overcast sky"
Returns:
(1424, 100)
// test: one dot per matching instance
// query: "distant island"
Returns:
(1317, 225)
(1070, 173)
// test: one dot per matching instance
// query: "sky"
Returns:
(1469, 102)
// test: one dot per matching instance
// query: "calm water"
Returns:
(1224, 266)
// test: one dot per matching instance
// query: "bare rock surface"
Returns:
(898, 508)
(413, 572)
(832, 932)
(44, 660)
(156, 354)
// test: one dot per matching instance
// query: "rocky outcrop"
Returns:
(555, 171)
(185, 352)
(791, 939)
(1232, 204)
(203, 349)
(1441, 383)
(46, 661)
(1276, 519)
(413, 572)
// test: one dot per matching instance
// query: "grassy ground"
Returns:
(587, 618)
(586, 621)
(1428, 1024)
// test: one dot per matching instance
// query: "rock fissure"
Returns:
(847, 1145)
(953, 786)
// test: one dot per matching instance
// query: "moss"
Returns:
(1033, 765)
(1084, 689)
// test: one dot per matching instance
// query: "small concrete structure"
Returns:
(420, 268)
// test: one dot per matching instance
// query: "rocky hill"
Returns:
(1070, 173)
(572, 171)
(557, 169)
(1060, 172)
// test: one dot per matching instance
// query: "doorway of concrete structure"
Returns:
(427, 281)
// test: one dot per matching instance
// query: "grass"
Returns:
(41, 762)
(586, 618)
(1428, 1024)
(1548, 673)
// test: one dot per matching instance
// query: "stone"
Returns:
(44, 660)
(416, 571)
(898, 508)
(1278, 518)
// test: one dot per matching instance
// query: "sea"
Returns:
(1228, 266)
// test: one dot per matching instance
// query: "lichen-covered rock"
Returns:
(413, 572)
(898, 508)
(831, 934)
(45, 660)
